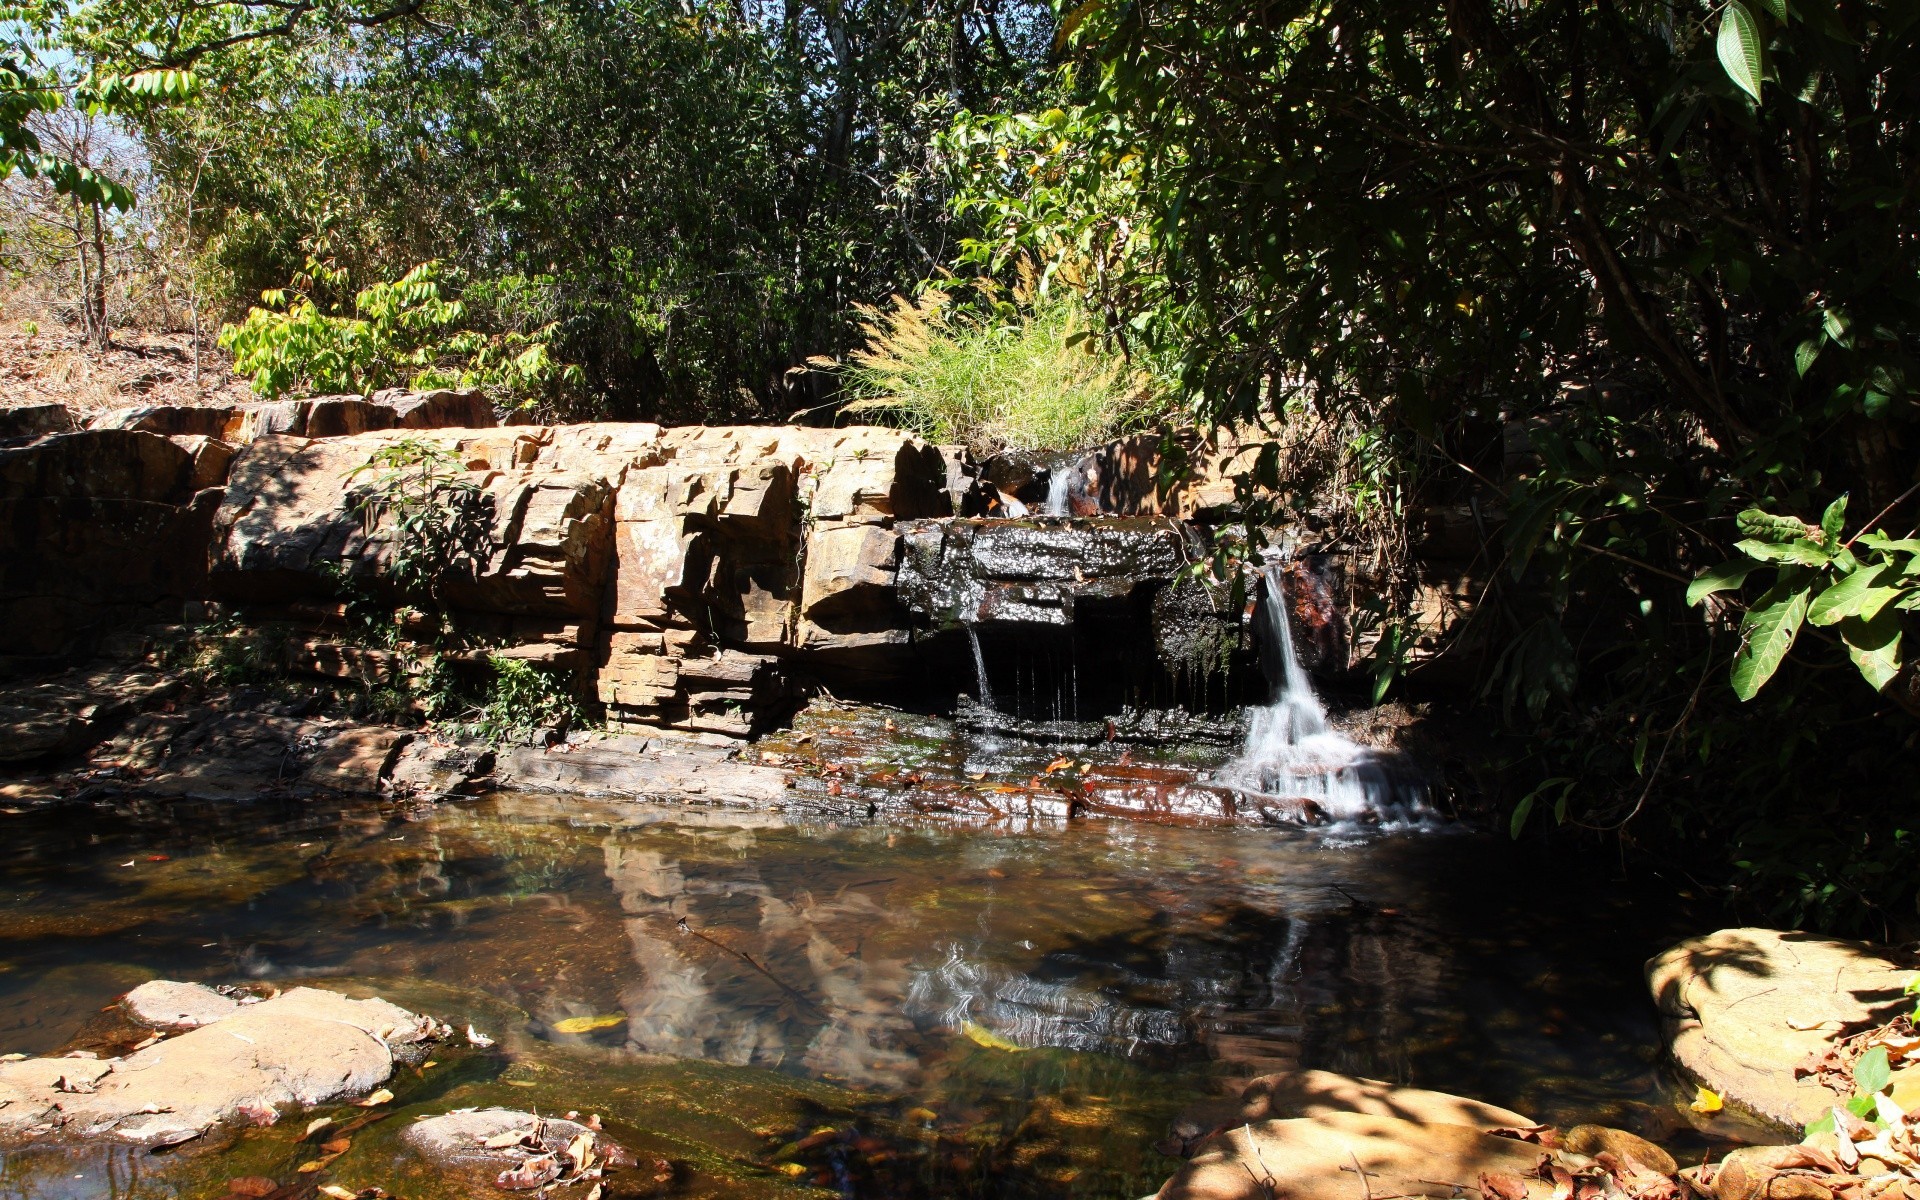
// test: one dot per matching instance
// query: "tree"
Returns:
(1671, 248)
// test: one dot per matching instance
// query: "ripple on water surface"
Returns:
(770, 1005)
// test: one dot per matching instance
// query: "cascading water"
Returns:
(980, 668)
(1294, 754)
(1059, 483)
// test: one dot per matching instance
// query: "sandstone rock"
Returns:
(1743, 1007)
(107, 464)
(444, 409)
(66, 713)
(850, 569)
(1315, 1159)
(304, 1047)
(431, 770)
(1594, 1140)
(36, 420)
(1317, 1093)
(210, 421)
(356, 760)
(211, 460)
(165, 1004)
(233, 756)
(662, 766)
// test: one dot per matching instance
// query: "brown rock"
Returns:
(36, 420)
(1744, 1007)
(1595, 1140)
(1315, 1093)
(356, 760)
(850, 569)
(210, 421)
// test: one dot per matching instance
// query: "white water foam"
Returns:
(1059, 482)
(1293, 753)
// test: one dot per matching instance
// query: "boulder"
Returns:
(456, 1143)
(662, 766)
(211, 459)
(430, 770)
(356, 760)
(1322, 1158)
(442, 409)
(1742, 1008)
(98, 464)
(36, 420)
(165, 1004)
(67, 713)
(304, 1047)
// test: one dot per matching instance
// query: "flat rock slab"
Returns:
(651, 767)
(1319, 1093)
(301, 1048)
(1320, 1158)
(1743, 1007)
(356, 760)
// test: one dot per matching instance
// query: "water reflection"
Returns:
(985, 976)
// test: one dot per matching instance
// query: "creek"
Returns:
(890, 1006)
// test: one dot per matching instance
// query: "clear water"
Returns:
(897, 1009)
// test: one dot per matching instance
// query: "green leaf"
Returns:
(1844, 598)
(1823, 1125)
(1768, 632)
(1872, 1072)
(1880, 541)
(1759, 523)
(1520, 812)
(1779, 10)
(1740, 47)
(1874, 647)
(1832, 522)
(1804, 355)
(1725, 577)
(1803, 552)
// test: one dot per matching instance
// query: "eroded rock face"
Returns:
(301, 1048)
(1743, 1008)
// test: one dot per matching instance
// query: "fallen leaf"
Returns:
(589, 1024)
(337, 1146)
(1058, 764)
(335, 1192)
(535, 1172)
(476, 1038)
(310, 1166)
(980, 1035)
(512, 1137)
(252, 1185)
(383, 1096)
(580, 1150)
(1804, 1026)
(1500, 1185)
(593, 1121)
(1707, 1101)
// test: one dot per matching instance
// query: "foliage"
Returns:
(1021, 377)
(515, 702)
(704, 188)
(1614, 272)
(436, 521)
(405, 332)
(1818, 580)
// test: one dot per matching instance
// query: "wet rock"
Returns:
(1742, 1008)
(356, 760)
(458, 1140)
(1317, 1093)
(165, 1004)
(1320, 1158)
(301, 1048)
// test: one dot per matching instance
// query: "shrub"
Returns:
(1026, 377)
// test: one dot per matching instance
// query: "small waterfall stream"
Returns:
(1293, 753)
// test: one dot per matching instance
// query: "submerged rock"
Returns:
(1743, 1008)
(479, 1146)
(301, 1048)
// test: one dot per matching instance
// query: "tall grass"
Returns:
(1033, 382)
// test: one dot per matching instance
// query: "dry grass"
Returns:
(44, 361)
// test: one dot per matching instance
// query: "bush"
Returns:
(1031, 377)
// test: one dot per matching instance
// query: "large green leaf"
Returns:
(1759, 523)
(1845, 598)
(1767, 634)
(1874, 646)
(1741, 50)
(1832, 522)
(1726, 576)
(1803, 552)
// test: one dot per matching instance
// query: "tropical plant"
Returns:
(436, 522)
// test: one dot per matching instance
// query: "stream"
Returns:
(886, 1006)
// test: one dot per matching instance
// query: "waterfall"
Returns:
(980, 669)
(1059, 482)
(1293, 753)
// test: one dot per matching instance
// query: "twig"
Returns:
(1268, 1184)
(743, 956)
(1365, 1187)
(1880, 516)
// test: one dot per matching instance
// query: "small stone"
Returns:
(1595, 1140)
